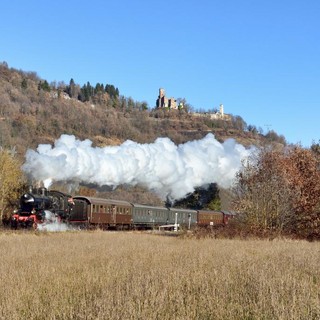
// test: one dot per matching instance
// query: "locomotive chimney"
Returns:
(43, 191)
(168, 203)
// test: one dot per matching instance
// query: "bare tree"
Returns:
(11, 180)
(280, 190)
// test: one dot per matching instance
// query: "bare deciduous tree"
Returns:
(11, 180)
(280, 190)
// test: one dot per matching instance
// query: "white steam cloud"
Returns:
(162, 166)
(52, 224)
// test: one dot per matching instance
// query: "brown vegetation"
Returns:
(104, 275)
(11, 182)
(33, 112)
(279, 191)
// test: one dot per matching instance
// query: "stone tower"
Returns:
(162, 93)
(164, 102)
(221, 111)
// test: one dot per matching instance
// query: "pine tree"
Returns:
(24, 83)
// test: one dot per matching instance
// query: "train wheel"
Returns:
(14, 225)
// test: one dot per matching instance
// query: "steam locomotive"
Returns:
(40, 206)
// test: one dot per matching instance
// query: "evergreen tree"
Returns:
(24, 83)
(84, 93)
(144, 105)
(112, 91)
(44, 86)
(99, 88)
(71, 89)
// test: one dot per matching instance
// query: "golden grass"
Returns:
(108, 275)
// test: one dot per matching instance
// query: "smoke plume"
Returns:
(162, 167)
(52, 224)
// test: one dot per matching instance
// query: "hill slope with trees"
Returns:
(32, 111)
(277, 192)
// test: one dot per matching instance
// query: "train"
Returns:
(41, 206)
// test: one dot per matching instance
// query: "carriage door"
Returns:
(113, 214)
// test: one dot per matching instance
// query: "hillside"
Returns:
(34, 112)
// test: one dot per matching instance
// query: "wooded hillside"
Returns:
(277, 192)
(32, 111)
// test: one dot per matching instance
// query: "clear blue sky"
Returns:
(260, 59)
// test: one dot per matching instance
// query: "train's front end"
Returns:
(32, 211)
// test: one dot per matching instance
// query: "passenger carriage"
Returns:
(148, 216)
(104, 212)
(186, 218)
(210, 218)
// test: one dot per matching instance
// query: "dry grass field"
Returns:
(109, 275)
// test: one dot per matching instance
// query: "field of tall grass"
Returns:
(115, 275)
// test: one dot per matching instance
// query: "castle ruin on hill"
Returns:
(171, 103)
(164, 102)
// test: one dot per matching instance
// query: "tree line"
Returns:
(87, 91)
(278, 191)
